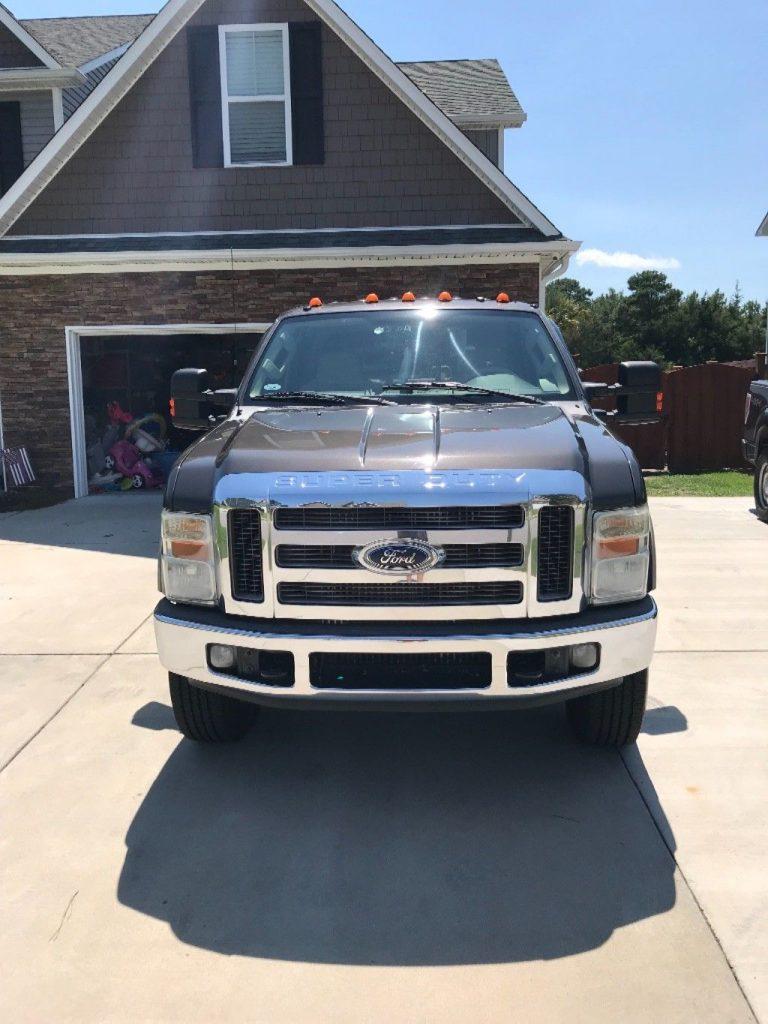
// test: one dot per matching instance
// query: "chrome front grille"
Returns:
(340, 556)
(367, 518)
(290, 553)
(400, 595)
(555, 567)
(247, 569)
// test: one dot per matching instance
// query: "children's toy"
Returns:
(125, 458)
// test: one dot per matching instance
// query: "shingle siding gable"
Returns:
(383, 166)
(14, 54)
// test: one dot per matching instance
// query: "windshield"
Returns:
(404, 356)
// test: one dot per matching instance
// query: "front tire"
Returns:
(611, 718)
(761, 482)
(208, 717)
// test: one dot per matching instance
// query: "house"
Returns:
(171, 183)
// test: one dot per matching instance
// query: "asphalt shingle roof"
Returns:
(467, 90)
(75, 41)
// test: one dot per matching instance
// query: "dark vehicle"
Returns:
(755, 442)
(408, 504)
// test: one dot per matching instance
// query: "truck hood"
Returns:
(396, 438)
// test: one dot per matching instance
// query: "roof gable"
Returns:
(473, 93)
(38, 54)
(164, 28)
(76, 41)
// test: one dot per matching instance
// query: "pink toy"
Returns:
(125, 458)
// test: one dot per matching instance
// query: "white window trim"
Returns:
(285, 98)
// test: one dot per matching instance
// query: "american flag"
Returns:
(17, 465)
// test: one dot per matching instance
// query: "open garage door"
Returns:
(122, 434)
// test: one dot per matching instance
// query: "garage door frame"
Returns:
(73, 336)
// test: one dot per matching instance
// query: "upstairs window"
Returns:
(255, 95)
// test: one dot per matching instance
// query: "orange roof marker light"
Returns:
(315, 303)
(373, 297)
(409, 297)
(502, 297)
(445, 297)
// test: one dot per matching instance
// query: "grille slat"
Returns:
(339, 556)
(363, 518)
(555, 561)
(400, 594)
(434, 671)
(247, 574)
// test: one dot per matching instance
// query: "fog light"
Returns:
(584, 656)
(221, 657)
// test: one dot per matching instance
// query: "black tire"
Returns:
(611, 718)
(761, 482)
(208, 717)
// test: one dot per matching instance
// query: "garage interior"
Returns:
(131, 442)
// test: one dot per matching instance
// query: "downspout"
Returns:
(557, 270)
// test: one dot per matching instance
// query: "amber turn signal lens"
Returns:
(502, 297)
(409, 297)
(373, 297)
(315, 303)
(445, 297)
(187, 549)
(659, 402)
(172, 407)
(615, 547)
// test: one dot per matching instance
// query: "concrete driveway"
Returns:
(347, 867)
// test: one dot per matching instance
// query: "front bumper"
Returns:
(626, 634)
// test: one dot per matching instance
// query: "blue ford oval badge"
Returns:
(399, 557)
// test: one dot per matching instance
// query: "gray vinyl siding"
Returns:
(36, 120)
(487, 142)
(383, 166)
(14, 54)
(72, 98)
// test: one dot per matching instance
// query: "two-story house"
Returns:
(170, 183)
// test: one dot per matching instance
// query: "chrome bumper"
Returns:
(626, 642)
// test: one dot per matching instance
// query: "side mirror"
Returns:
(637, 394)
(193, 404)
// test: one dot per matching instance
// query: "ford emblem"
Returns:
(399, 557)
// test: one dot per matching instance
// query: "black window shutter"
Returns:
(11, 149)
(307, 92)
(205, 96)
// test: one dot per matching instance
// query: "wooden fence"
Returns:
(703, 418)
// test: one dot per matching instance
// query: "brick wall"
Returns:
(383, 166)
(34, 312)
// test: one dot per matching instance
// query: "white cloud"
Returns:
(626, 260)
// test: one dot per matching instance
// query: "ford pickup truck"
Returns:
(406, 504)
(755, 440)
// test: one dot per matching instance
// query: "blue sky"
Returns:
(647, 129)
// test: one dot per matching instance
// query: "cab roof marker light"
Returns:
(315, 303)
(409, 297)
(372, 298)
(502, 297)
(445, 297)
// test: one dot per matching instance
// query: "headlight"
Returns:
(620, 555)
(189, 574)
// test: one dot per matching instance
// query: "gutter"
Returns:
(31, 264)
(29, 79)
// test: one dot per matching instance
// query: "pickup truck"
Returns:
(408, 504)
(755, 440)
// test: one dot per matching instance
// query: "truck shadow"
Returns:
(398, 840)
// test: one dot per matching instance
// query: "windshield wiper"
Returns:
(323, 398)
(452, 385)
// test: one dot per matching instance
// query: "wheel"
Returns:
(611, 718)
(138, 481)
(206, 716)
(761, 482)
